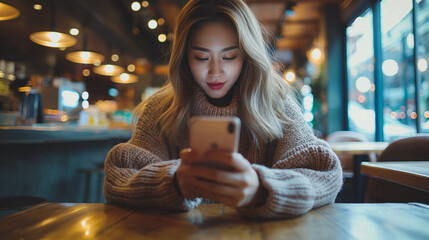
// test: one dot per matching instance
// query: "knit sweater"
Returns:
(299, 171)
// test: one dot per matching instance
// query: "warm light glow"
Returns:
(135, 6)
(290, 77)
(316, 53)
(53, 39)
(161, 21)
(413, 115)
(64, 118)
(426, 114)
(152, 24)
(390, 67)
(372, 87)
(8, 12)
(402, 115)
(37, 7)
(422, 65)
(74, 31)
(162, 37)
(363, 84)
(125, 78)
(131, 68)
(83, 223)
(84, 57)
(361, 98)
(145, 4)
(108, 70)
(54, 36)
(97, 62)
(114, 57)
(393, 115)
(24, 89)
(86, 72)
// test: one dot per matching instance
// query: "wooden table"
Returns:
(359, 148)
(360, 151)
(410, 173)
(214, 221)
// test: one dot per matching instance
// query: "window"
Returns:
(360, 73)
(397, 41)
(402, 62)
(422, 12)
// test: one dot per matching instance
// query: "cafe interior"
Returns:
(72, 73)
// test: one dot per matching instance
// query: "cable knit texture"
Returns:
(299, 171)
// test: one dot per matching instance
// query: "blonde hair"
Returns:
(260, 90)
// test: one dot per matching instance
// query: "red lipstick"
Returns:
(216, 85)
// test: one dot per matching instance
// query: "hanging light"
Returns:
(125, 78)
(109, 70)
(8, 12)
(84, 56)
(53, 38)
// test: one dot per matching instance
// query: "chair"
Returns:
(353, 182)
(347, 159)
(414, 148)
(97, 172)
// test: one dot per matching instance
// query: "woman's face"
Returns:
(214, 57)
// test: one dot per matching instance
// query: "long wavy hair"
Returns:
(261, 91)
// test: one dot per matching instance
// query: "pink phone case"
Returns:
(208, 133)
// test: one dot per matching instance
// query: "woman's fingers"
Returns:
(234, 160)
(188, 156)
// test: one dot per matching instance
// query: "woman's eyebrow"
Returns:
(208, 50)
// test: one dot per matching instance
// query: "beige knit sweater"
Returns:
(299, 171)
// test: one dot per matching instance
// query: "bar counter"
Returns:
(58, 133)
(53, 162)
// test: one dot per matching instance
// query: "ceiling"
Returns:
(110, 26)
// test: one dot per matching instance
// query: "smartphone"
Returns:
(207, 133)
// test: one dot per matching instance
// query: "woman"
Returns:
(220, 66)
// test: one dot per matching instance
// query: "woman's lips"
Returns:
(216, 85)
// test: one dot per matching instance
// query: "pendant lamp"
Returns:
(84, 56)
(109, 70)
(8, 12)
(125, 78)
(52, 38)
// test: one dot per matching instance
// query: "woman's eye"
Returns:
(201, 59)
(229, 58)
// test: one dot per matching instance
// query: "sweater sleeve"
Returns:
(305, 174)
(139, 173)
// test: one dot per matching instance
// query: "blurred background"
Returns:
(357, 65)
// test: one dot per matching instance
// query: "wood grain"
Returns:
(214, 221)
(411, 173)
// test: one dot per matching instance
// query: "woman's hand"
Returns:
(238, 186)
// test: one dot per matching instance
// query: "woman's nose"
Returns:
(215, 68)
